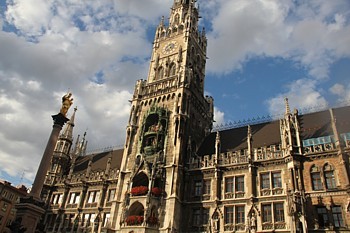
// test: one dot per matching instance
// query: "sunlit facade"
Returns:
(175, 174)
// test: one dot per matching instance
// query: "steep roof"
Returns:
(312, 125)
(342, 118)
(99, 160)
(236, 139)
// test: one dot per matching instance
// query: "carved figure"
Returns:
(67, 101)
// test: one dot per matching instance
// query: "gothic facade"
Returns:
(175, 175)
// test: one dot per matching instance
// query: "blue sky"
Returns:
(260, 51)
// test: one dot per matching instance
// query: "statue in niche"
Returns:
(253, 223)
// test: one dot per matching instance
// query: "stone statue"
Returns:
(67, 101)
(253, 223)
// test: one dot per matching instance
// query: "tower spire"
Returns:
(68, 130)
(287, 106)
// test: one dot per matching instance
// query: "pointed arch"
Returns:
(316, 181)
(141, 179)
(172, 69)
(176, 19)
(160, 72)
(135, 214)
(328, 172)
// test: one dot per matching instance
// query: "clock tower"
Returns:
(169, 118)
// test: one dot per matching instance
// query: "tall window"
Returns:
(329, 176)
(160, 73)
(88, 219)
(239, 183)
(337, 216)
(267, 213)
(276, 180)
(229, 188)
(322, 216)
(265, 181)
(316, 178)
(205, 216)
(234, 184)
(177, 19)
(74, 198)
(278, 212)
(229, 214)
(93, 196)
(57, 198)
(206, 187)
(201, 187)
(234, 214)
(111, 194)
(271, 179)
(197, 188)
(196, 217)
(273, 212)
(200, 216)
(172, 69)
(106, 219)
(239, 214)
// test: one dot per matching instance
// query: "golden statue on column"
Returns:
(67, 101)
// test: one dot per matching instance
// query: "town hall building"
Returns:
(175, 174)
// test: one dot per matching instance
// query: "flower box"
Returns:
(139, 191)
(134, 220)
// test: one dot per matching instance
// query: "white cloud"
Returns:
(219, 116)
(337, 89)
(302, 93)
(312, 33)
(31, 16)
(342, 92)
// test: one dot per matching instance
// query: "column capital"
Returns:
(59, 119)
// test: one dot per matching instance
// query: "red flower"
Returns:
(156, 191)
(139, 190)
(134, 220)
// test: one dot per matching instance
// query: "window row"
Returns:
(326, 217)
(72, 221)
(236, 184)
(161, 71)
(9, 195)
(236, 214)
(74, 197)
(324, 140)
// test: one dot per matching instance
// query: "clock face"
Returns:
(170, 47)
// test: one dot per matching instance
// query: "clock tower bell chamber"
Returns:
(169, 118)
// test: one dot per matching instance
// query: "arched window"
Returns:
(160, 73)
(316, 178)
(172, 69)
(140, 179)
(328, 172)
(177, 19)
(136, 212)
